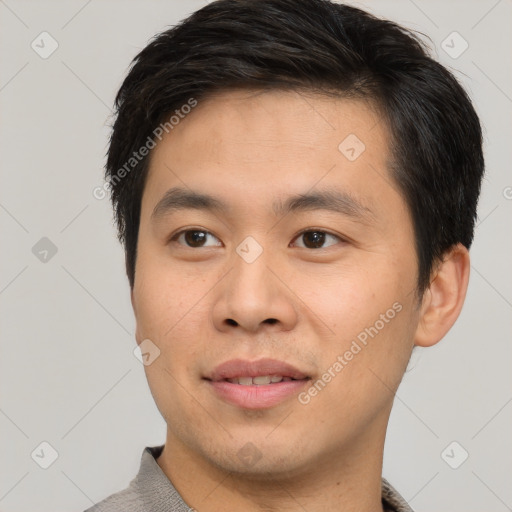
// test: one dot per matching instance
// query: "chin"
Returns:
(260, 457)
(263, 466)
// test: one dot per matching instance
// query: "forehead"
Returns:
(248, 145)
(278, 119)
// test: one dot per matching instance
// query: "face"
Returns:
(299, 264)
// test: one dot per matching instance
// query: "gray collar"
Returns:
(156, 490)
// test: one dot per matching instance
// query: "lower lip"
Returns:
(257, 396)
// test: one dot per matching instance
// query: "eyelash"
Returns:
(177, 235)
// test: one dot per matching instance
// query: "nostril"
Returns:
(271, 320)
(230, 321)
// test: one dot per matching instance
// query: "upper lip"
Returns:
(242, 368)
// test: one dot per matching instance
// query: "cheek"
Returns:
(173, 314)
(163, 299)
(371, 319)
(363, 368)
(169, 312)
(349, 298)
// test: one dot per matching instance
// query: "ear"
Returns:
(443, 300)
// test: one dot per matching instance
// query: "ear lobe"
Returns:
(443, 300)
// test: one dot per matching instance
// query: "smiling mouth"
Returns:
(261, 380)
(260, 384)
(257, 392)
(260, 372)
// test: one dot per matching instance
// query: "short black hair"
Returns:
(322, 47)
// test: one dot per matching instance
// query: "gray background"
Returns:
(67, 369)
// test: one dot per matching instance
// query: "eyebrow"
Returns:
(177, 198)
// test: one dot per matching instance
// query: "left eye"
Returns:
(316, 239)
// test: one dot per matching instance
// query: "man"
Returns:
(295, 184)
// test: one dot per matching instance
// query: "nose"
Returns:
(252, 297)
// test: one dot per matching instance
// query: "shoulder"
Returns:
(392, 500)
(134, 497)
(150, 490)
(127, 500)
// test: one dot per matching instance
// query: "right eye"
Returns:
(193, 238)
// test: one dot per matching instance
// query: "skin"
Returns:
(204, 305)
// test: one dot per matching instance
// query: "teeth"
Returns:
(264, 379)
(258, 381)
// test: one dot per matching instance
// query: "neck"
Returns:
(348, 477)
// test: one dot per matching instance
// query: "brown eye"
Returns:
(316, 239)
(193, 238)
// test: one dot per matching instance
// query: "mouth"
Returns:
(260, 380)
(256, 384)
(260, 372)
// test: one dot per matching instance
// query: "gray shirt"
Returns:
(152, 491)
